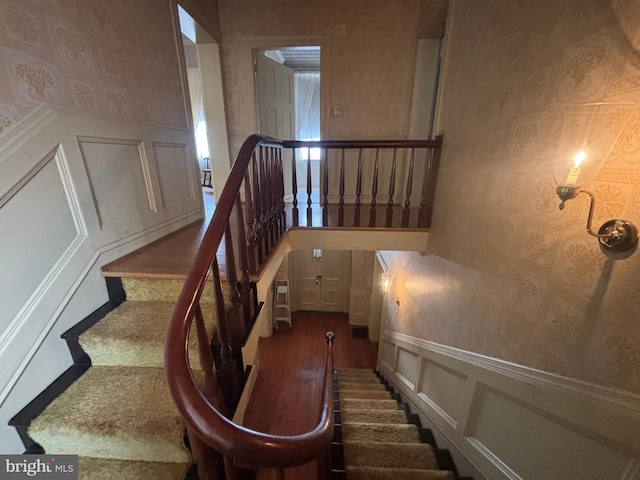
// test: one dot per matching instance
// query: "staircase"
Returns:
(118, 416)
(377, 440)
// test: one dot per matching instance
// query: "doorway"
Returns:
(322, 280)
(204, 80)
(289, 106)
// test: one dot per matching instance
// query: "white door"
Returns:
(274, 84)
(321, 282)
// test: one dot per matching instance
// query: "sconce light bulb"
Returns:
(386, 281)
(578, 158)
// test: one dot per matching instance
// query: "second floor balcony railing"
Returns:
(271, 188)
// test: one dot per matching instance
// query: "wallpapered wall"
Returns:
(370, 47)
(113, 56)
(507, 274)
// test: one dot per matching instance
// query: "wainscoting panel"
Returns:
(443, 389)
(176, 184)
(388, 356)
(77, 190)
(118, 173)
(407, 366)
(498, 419)
(30, 258)
(505, 421)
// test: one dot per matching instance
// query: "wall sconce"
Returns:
(588, 135)
(386, 281)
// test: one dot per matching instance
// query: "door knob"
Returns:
(318, 278)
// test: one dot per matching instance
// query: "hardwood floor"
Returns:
(286, 396)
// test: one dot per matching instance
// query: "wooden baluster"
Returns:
(294, 186)
(233, 311)
(392, 187)
(374, 190)
(309, 183)
(227, 372)
(429, 190)
(273, 182)
(341, 202)
(282, 219)
(356, 212)
(211, 389)
(245, 283)
(209, 463)
(249, 242)
(264, 182)
(325, 190)
(407, 202)
(257, 202)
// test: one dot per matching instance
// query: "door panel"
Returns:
(275, 98)
(321, 285)
(334, 284)
(307, 282)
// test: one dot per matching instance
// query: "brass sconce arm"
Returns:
(614, 235)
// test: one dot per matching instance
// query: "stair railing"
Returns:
(251, 230)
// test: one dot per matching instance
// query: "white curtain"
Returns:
(194, 77)
(307, 94)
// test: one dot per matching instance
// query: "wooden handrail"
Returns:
(259, 170)
(243, 445)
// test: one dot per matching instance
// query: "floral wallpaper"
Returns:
(370, 50)
(508, 274)
(111, 56)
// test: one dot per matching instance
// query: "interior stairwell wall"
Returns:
(96, 160)
(367, 65)
(507, 276)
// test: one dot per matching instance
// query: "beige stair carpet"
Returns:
(119, 416)
(114, 412)
(110, 469)
(117, 340)
(378, 441)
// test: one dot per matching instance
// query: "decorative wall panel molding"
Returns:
(118, 173)
(503, 418)
(75, 192)
(36, 259)
(176, 182)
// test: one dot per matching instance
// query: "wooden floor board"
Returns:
(286, 396)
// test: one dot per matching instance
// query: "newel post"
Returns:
(324, 459)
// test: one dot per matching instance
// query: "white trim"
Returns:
(620, 398)
(602, 419)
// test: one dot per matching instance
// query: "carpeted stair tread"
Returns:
(380, 432)
(111, 469)
(356, 372)
(165, 290)
(114, 412)
(365, 394)
(134, 333)
(390, 455)
(365, 404)
(373, 473)
(344, 386)
(373, 416)
(365, 383)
